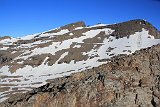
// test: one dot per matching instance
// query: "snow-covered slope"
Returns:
(33, 60)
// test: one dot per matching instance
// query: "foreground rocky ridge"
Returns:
(126, 81)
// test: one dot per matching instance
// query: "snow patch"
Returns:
(4, 48)
(43, 72)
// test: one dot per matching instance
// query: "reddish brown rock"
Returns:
(126, 81)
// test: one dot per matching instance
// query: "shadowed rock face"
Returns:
(126, 81)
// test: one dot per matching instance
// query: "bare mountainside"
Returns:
(33, 60)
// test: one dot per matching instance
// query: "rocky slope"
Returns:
(126, 81)
(33, 60)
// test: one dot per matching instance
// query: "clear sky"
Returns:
(23, 17)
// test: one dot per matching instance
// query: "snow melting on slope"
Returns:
(29, 37)
(43, 72)
(98, 25)
(44, 34)
(57, 46)
(126, 45)
(8, 41)
(4, 48)
(120, 46)
(64, 31)
(77, 28)
(11, 41)
(33, 44)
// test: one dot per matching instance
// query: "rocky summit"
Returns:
(76, 65)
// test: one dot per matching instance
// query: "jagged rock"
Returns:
(126, 81)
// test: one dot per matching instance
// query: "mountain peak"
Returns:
(33, 60)
(130, 27)
(68, 27)
(74, 25)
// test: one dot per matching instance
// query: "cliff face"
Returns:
(126, 81)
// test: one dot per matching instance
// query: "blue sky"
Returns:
(23, 17)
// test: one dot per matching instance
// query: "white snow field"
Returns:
(29, 75)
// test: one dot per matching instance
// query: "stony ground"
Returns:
(126, 81)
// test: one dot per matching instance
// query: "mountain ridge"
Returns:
(82, 24)
(31, 61)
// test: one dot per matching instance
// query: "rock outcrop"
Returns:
(130, 27)
(126, 81)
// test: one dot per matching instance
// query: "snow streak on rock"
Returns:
(48, 55)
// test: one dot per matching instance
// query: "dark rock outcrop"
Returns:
(130, 27)
(126, 81)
